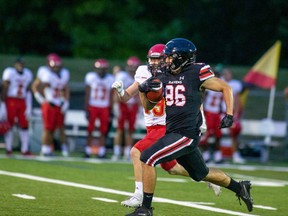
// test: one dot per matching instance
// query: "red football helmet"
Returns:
(154, 58)
(156, 51)
(54, 60)
(101, 63)
(133, 61)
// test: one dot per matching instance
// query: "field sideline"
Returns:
(72, 186)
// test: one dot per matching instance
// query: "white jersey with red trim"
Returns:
(157, 115)
(18, 81)
(236, 86)
(212, 102)
(57, 83)
(127, 81)
(100, 89)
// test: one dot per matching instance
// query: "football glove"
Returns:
(149, 85)
(226, 122)
(119, 87)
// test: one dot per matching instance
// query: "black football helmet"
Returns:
(182, 51)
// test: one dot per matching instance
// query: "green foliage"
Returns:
(233, 32)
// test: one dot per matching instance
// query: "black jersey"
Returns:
(184, 98)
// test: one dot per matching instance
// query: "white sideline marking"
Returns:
(105, 199)
(265, 207)
(107, 190)
(178, 180)
(24, 196)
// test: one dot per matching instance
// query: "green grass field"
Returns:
(92, 187)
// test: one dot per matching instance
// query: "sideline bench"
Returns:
(76, 125)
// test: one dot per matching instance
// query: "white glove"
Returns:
(119, 87)
(3, 111)
(39, 98)
(65, 106)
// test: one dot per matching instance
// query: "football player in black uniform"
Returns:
(184, 83)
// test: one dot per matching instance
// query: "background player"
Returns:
(98, 103)
(16, 93)
(235, 129)
(51, 90)
(127, 111)
(210, 141)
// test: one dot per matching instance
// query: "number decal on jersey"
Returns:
(175, 95)
(158, 110)
(215, 100)
(100, 93)
(20, 90)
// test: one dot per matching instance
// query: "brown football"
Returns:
(155, 95)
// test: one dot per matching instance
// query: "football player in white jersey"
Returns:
(235, 129)
(155, 121)
(98, 103)
(51, 91)
(212, 111)
(16, 94)
(127, 111)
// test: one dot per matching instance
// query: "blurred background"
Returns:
(234, 33)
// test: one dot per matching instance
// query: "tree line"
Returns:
(227, 31)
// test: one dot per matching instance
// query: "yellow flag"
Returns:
(264, 73)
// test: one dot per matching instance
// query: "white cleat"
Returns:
(133, 201)
(215, 188)
(65, 153)
(238, 159)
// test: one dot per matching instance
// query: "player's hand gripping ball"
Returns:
(156, 92)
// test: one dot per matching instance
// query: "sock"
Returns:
(127, 151)
(102, 151)
(24, 137)
(64, 147)
(234, 186)
(45, 149)
(117, 150)
(138, 187)
(88, 150)
(8, 140)
(147, 200)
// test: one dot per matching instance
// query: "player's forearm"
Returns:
(228, 99)
(126, 97)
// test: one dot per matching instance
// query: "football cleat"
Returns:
(133, 201)
(215, 188)
(27, 153)
(245, 194)
(142, 211)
